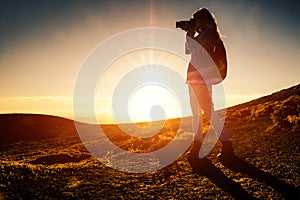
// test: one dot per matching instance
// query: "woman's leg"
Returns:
(197, 123)
(196, 112)
(204, 98)
(205, 101)
(201, 100)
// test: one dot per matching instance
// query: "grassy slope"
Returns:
(263, 138)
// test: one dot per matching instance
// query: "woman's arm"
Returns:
(189, 36)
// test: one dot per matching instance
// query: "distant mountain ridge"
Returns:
(18, 127)
(282, 107)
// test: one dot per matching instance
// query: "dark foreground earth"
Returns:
(265, 135)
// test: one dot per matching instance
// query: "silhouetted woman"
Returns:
(203, 31)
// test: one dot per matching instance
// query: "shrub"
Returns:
(286, 112)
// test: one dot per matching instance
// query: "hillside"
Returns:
(282, 108)
(265, 135)
(18, 127)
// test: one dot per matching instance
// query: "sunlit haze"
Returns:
(43, 45)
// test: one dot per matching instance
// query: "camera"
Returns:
(185, 25)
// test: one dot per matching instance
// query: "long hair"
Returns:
(206, 19)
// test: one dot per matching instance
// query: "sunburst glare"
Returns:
(145, 96)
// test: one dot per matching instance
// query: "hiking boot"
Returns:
(226, 151)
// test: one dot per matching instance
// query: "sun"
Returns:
(142, 85)
(153, 102)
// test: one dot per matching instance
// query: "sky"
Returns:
(43, 45)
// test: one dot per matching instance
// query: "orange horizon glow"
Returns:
(62, 107)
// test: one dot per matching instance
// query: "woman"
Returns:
(202, 35)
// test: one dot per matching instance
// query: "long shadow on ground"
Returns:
(204, 167)
(239, 165)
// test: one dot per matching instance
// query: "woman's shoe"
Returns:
(195, 149)
(227, 151)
